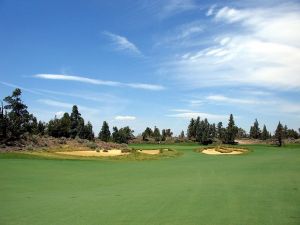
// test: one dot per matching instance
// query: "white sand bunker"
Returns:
(112, 152)
(224, 151)
(150, 152)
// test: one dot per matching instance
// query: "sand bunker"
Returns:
(113, 152)
(226, 151)
(150, 152)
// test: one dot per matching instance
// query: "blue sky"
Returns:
(160, 62)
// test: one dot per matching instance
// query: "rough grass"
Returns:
(258, 188)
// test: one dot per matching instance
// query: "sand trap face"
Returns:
(150, 152)
(213, 151)
(113, 152)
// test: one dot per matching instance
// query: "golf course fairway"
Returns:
(260, 187)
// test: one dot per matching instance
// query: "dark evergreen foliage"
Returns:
(279, 134)
(104, 134)
(255, 131)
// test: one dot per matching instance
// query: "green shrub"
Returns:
(29, 147)
(91, 145)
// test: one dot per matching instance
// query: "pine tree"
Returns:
(124, 135)
(181, 136)
(163, 135)
(212, 131)
(255, 131)
(285, 131)
(191, 129)
(88, 132)
(265, 133)
(3, 124)
(18, 118)
(220, 131)
(147, 133)
(65, 125)
(156, 134)
(115, 135)
(231, 131)
(76, 122)
(279, 134)
(104, 134)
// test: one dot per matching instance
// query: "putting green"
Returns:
(262, 187)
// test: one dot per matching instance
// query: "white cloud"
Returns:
(76, 78)
(144, 86)
(211, 10)
(258, 47)
(122, 43)
(125, 118)
(224, 99)
(59, 114)
(188, 114)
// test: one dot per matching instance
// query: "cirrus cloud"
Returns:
(125, 118)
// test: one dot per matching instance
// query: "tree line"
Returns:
(16, 121)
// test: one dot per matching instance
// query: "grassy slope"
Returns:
(262, 187)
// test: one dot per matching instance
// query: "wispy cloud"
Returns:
(253, 53)
(144, 86)
(125, 118)
(56, 103)
(188, 114)
(171, 7)
(268, 103)
(20, 87)
(121, 43)
(96, 97)
(224, 99)
(67, 105)
(184, 35)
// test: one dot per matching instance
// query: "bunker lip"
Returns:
(150, 152)
(103, 153)
(112, 152)
(224, 151)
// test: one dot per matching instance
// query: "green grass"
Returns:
(261, 187)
